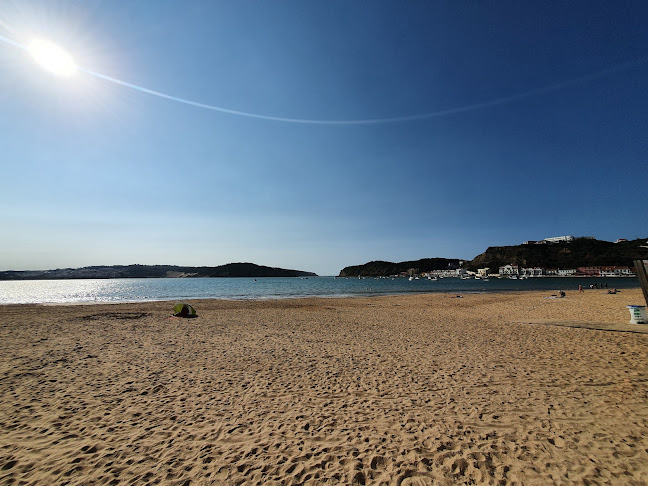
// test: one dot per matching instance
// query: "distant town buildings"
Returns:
(589, 271)
(593, 271)
(566, 272)
(605, 271)
(615, 271)
(459, 272)
(532, 272)
(508, 270)
(516, 271)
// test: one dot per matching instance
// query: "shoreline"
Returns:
(407, 389)
(296, 297)
(349, 295)
(634, 275)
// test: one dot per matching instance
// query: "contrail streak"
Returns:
(370, 121)
(12, 42)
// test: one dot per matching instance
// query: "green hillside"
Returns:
(384, 269)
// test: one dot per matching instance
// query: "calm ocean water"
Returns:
(129, 290)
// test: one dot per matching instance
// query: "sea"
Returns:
(180, 289)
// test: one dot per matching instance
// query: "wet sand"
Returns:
(423, 389)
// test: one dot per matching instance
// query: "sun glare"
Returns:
(52, 58)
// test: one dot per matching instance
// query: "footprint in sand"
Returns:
(357, 478)
(378, 463)
(557, 441)
(409, 478)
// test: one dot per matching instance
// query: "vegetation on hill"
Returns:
(154, 271)
(581, 252)
(384, 269)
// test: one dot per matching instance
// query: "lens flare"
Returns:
(52, 58)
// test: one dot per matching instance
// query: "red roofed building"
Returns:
(589, 271)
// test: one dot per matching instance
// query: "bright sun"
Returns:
(52, 58)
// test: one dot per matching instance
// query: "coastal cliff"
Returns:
(155, 271)
(581, 252)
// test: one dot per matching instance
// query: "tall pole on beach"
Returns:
(640, 265)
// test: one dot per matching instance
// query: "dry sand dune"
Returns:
(411, 390)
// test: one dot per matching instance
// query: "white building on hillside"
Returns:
(559, 239)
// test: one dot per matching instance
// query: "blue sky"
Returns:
(97, 173)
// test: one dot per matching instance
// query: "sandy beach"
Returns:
(399, 390)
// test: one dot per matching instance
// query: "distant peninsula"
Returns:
(553, 253)
(385, 269)
(154, 271)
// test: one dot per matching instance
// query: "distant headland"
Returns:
(558, 256)
(155, 271)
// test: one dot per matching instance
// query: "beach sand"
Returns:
(411, 390)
